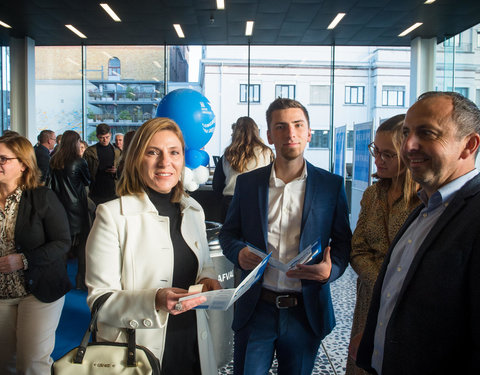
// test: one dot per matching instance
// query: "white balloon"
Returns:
(187, 176)
(201, 174)
(191, 186)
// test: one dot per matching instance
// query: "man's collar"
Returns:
(303, 175)
(447, 191)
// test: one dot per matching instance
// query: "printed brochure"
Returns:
(222, 299)
(305, 256)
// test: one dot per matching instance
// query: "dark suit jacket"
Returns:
(325, 216)
(43, 161)
(42, 235)
(435, 325)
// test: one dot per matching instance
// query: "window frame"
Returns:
(289, 87)
(390, 91)
(243, 98)
(350, 89)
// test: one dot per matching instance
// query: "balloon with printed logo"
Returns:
(193, 114)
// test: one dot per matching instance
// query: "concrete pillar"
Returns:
(22, 100)
(422, 67)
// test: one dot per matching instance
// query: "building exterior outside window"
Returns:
(320, 94)
(114, 68)
(285, 91)
(462, 90)
(254, 93)
(320, 138)
(5, 88)
(453, 41)
(354, 94)
(393, 96)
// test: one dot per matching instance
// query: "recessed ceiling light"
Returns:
(429, 2)
(336, 20)
(74, 30)
(249, 28)
(410, 29)
(110, 12)
(179, 30)
(220, 4)
(6, 25)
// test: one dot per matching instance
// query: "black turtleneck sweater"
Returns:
(181, 348)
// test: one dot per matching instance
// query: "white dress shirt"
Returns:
(285, 207)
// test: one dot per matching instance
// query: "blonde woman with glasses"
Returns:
(384, 207)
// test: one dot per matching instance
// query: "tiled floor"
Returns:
(336, 344)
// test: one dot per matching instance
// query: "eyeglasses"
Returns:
(385, 155)
(4, 159)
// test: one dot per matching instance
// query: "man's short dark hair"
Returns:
(465, 114)
(285, 103)
(102, 129)
(44, 136)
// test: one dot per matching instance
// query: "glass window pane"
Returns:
(124, 95)
(58, 88)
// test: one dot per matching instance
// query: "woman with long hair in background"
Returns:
(69, 177)
(246, 153)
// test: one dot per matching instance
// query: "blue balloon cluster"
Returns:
(193, 114)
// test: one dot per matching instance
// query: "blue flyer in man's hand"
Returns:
(303, 257)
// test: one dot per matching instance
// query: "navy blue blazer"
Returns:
(325, 216)
(435, 325)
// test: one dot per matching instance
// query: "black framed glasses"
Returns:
(385, 155)
(4, 159)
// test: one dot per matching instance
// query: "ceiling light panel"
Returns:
(6, 25)
(75, 31)
(336, 20)
(220, 4)
(110, 12)
(249, 28)
(410, 29)
(179, 30)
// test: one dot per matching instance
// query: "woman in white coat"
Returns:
(148, 247)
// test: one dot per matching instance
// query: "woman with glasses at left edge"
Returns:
(384, 207)
(34, 238)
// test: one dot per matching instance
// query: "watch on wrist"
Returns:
(25, 261)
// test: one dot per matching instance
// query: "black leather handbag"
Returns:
(106, 357)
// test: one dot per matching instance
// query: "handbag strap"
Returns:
(92, 331)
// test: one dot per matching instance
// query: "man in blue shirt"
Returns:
(425, 309)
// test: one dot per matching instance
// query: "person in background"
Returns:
(423, 317)
(246, 153)
(46, 143)
(69, 177)
(83, 147)
(33, 276)
(118, 141)
(283, 208)
(126, 142)
(58, 140)
(148, 247)
(384, 208)
(102, 159)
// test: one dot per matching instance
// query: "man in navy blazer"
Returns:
(283, 208)
(425, 309)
